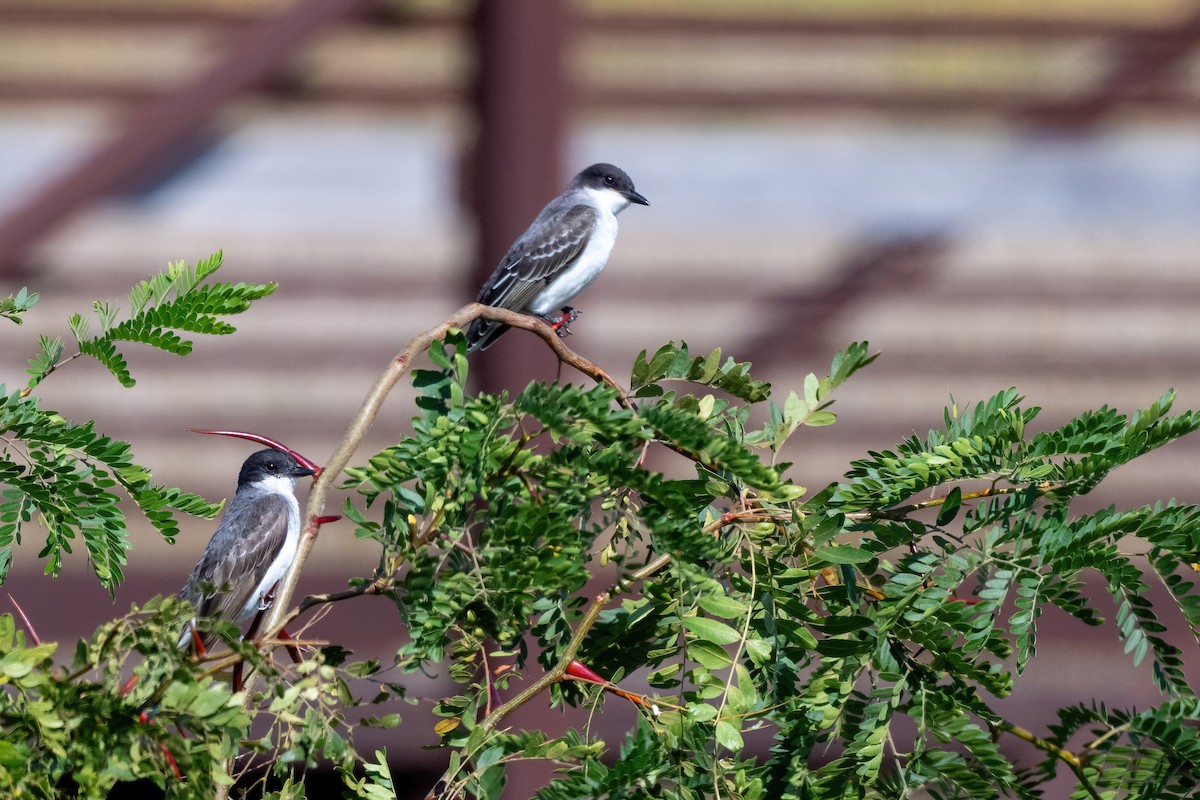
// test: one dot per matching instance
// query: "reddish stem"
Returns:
(293, 650)
(128, 687)
(28, 625)
(580, 672)
(269, 442)
(171, 760)
(201, 650)
(576, 669)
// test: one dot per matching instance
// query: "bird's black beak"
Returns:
(634, 197)
(303, 472)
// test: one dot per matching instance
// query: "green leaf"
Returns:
(711, 630)
(156, 315)
(723, 606)
(708, 654)
(674, 363)
(40, 365)
(729, 736)
(842, 554)
(820, 419)
(950, 507)
(13, 306)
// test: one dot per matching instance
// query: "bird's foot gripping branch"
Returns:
(561, 322)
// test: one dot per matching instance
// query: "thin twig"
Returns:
(938, 501)
(1110, 733)
(1066, 756)
(381, 584)
(558, 672)
(370, 409)
(747, 515)
(33, 634)
(28, 390)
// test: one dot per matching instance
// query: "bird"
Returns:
(254, 544)
(560, 254)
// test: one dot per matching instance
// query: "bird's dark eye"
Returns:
(608, 180)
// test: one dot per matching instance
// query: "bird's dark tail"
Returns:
(482, 332)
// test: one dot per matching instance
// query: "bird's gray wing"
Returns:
(246, 542)
(551, 244)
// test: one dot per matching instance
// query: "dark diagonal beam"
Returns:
(1141, 63)
(798, 324)
(151, 134)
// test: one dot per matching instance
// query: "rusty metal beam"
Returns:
(39, 14)
(797, 326)
(165, 125)
(907, 26)
(650, 22)
(44, 15)
(1151, 99)
(891, 101)
(1146, 54)
(521, 103)
(750, 98)
(1141, 64)
(286, 90)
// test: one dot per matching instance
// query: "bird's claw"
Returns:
(561, 322)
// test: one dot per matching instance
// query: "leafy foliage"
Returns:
(177, 299)
(671, 362)
(173, 722)
(13, 306)
(66, 475)
(865, 630)
(47, 717)
(826, 620)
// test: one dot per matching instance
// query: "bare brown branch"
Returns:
(280, 611)
(370, 409)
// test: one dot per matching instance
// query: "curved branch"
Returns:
(896, 512)
(1066, 756)
(280, 612)
(559, 672)
(28, 390)
(370, 409)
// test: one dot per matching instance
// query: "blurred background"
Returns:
(992, 192)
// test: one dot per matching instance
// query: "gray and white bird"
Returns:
(560, 254)
(255, 543)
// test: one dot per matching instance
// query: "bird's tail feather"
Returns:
(482, 332)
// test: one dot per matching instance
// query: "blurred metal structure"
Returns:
(1140, 51)
(518, 94)
(894, 264)
(521, 101)
(154, 135)
(516, 82)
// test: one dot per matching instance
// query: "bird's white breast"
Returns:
(575, 278)
(287, 553)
